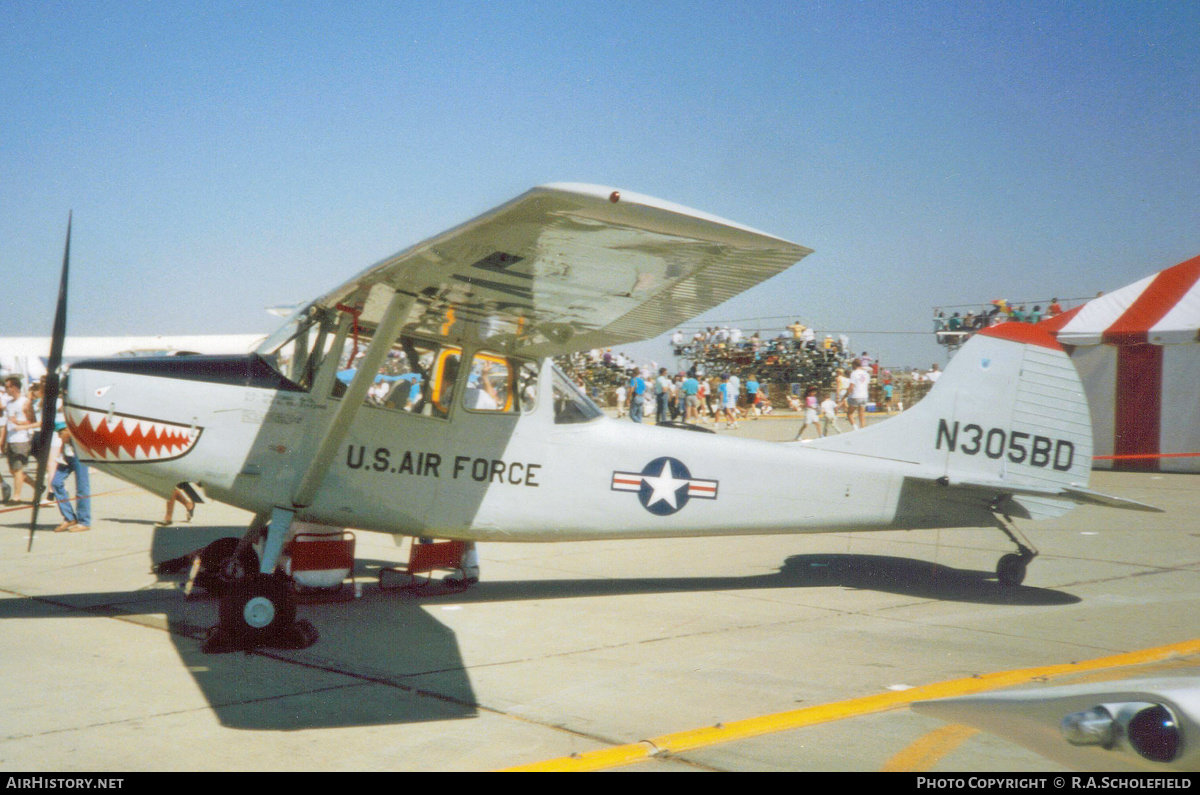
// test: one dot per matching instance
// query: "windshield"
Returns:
(295, 350)
(570, 403)
(282, 335)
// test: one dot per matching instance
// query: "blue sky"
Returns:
(221, 157)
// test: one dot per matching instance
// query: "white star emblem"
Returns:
(664, 486)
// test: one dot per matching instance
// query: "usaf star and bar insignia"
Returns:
(664, 486)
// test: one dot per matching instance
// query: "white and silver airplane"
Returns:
(1125, 725)
(454, 422)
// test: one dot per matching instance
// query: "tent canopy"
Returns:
(1163, 309)
(1137, 355)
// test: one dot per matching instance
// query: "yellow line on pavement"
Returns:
(691, 739)
(617, 756)
(929, 749)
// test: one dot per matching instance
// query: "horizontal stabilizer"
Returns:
(1000, 488)
(1096, 498)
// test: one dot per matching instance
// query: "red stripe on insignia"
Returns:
(1154, 303)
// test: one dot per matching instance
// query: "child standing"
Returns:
(829, 415)
(810, 411)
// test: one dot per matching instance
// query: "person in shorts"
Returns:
(729, 398)
(829, 415)
(856, 401)
(16, 437)
(810, 412)
(691, 391)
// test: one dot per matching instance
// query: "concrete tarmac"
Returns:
(581, 647)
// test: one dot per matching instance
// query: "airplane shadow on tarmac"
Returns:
(372, 650)
(903, 576)
(361, 672)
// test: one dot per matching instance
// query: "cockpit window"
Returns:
(527, 379)
(489, 384)
(497, 383)
(416, 377)
(570, 403)
(296, 349)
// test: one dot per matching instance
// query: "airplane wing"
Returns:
(567, 267)
(98, 347)
(1122, 725)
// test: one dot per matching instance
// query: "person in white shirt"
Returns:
(662, 396)
(735, 386)
(934, 374)
(16, 436)
(829, 415)
(860, 381)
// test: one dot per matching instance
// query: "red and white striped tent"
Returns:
(1137, 351)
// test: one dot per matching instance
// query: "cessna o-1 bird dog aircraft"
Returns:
(419, 399)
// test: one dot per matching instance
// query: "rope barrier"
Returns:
(1133, 456)
(28, 506)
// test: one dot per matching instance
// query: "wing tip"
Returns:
(609, 195)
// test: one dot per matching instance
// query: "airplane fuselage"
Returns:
(478, 475)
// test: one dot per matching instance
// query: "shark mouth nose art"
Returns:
(124, 438)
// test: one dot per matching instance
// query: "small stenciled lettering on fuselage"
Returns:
(1018, 446)
(422, 463)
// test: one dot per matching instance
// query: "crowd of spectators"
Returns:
(794, 357)
(764, 372)
(954, 330)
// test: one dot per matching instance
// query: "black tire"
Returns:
(1010, 570)
(216, 573)
(257, 609)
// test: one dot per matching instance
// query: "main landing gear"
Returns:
(221, 564)
(256, 609)
(1010, 569)
(257, 601)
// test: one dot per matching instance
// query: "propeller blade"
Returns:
(50, 396)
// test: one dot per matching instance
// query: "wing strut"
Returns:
(385, 334)
(339, 426)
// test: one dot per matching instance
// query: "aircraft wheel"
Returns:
(220, 568)
(257, 609)
(1011, 570)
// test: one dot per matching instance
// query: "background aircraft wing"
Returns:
(568, 267)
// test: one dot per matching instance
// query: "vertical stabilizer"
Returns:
(1009, 409)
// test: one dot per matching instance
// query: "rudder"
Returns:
(1009, 409)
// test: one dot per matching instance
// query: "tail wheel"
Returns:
(256, 609)
(1010, 570)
